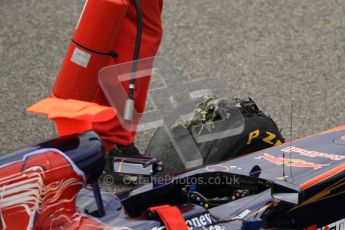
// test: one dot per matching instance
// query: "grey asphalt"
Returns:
(259, 47)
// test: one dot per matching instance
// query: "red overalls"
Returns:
(111, 131)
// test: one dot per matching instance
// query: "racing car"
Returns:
(53, 185)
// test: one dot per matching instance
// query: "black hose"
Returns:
(136, 50)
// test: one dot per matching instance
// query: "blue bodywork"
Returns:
(293, 196)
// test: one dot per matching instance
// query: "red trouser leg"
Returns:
(111, 131)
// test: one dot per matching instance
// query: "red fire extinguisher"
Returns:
(90, 49)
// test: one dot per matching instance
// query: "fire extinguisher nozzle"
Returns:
(129, 108)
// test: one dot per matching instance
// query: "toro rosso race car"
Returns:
(42, 188)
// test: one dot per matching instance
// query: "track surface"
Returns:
(258, 47)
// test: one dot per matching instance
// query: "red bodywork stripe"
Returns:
(323, 177)
(171, 217)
